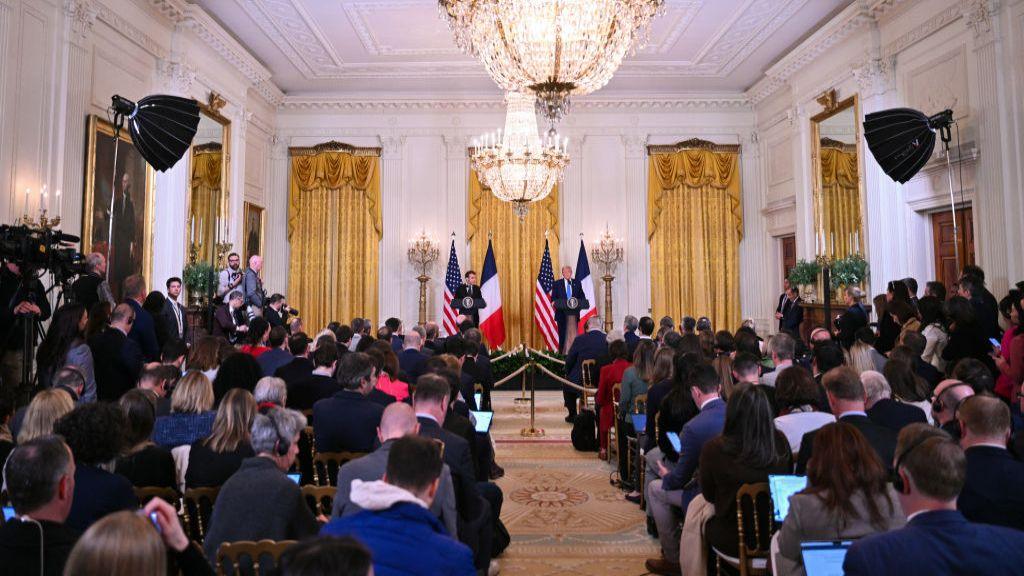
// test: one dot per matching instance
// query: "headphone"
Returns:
(938, 405)
(283, 444)
(897, 480)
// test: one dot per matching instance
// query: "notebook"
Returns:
(824, 558)
(783, 486)
(482, 420)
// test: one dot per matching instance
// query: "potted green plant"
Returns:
(805, 275)
(197, 277)
(848, 271)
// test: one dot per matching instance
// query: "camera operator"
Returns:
(277, 311)
(91, 287)
(22, 300)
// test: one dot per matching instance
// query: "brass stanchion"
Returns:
(522, 399)
(532, 431)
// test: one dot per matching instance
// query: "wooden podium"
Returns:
(814, 317)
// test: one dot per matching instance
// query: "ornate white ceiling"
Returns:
(363, 47)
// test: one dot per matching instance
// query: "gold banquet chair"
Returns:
(231, 556)
(196, 510)
(754, 521)
(320, 499)
(329, 463)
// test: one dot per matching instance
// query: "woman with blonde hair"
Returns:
(129, 543)
(192, 414)
(214, 459)
(46, 408)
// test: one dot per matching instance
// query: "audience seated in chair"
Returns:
(192, 414)
(783, 350)
(991, 493)
(348, 420)
(95, 434)
(39, 478)
(398, 421)
(217, 457)
(668, 498)
(591, 345)
(931, 470)
(259, 502)
(796, 397)
(396, 518)
(278, 355)
(326, 556)
(144, 463)
(270, 391)
(300, 366)
(846, 397)
(946, 400)
(882, 408)
(320, 384)
(848, 496)
(612, 374)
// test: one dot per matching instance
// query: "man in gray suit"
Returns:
(398, 420)
(252, 286)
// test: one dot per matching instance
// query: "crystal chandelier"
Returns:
(553, 48)
(515, 164)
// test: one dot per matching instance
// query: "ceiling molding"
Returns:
(328, 103)
(295, 33)
(845, 24)
(129, 31)
(937, 22)
(357, 11)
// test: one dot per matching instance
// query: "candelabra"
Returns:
(608, 253)
(423, 252)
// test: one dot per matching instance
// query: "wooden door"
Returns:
(947, 269)
(788, 254)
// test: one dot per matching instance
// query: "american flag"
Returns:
(543, 311)
(452, 281)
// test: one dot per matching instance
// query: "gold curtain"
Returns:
(518, 248)
(334, 229)
(206, 197)
(840, 198)
(694, 227)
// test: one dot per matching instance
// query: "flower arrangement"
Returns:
(197, 277)
(848, 271)
(804, 273)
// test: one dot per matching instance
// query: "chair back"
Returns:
(320, 499)
(754, 519)
(640, 404)
(304, 459)
(146, 493)
(326, 465)
(248, 557)
(586, 373)
(196, 509)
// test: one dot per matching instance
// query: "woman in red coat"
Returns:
(611, 375)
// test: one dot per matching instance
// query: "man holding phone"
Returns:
(668, 498)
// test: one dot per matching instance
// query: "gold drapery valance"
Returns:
(518, 248)
(840, 189)
(694, 227)
(334, 230)
(206, 196)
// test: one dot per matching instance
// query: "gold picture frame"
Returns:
(133, 173)
(252, 230)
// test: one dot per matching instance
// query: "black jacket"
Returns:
(882, 439)
(991, 494)
(458, 457)
(118, 362)
(12, 335)
(792, 315)
(411, 362)
(295, 371)
(895, 415)
(87, 289)
(462, 292)
(852, 320)
(347, 421)
(303, 394)
(19, 548)
(170, 322)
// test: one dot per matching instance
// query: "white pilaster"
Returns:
(995, 227)
(392, 260)
(755, 274)
(457, 192)
(276, 263)
(635, 271)
(570, 195)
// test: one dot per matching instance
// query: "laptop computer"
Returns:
(824, 558)
(782, 486)
(482, 420)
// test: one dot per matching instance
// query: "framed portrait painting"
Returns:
(253, 230)
(117, 219)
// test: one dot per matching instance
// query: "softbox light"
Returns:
(162, 126)
(902, 139)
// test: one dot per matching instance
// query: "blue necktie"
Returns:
(568, 289)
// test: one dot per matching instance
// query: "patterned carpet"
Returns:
(564, 516)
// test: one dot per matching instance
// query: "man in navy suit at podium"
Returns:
(564, 288)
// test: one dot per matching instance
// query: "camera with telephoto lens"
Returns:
(41, 249)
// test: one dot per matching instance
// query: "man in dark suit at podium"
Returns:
(471, 289)
(564, 288)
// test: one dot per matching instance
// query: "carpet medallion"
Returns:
(563, 514)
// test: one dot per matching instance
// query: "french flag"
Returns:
(583, 275)
(492, 324)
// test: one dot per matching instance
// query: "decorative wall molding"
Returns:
(176, 76)
(130, 31)
(332, 104)
(978, 15)
(81, 15)
(876, 76)
(849, 21)
(924, 30)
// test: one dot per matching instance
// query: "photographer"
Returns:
(277, 311)
(21, 300)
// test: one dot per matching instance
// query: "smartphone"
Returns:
(995, 343)
(478, 398)
(9, 513)
(673, 438)
(295, 477)
(155, 521)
